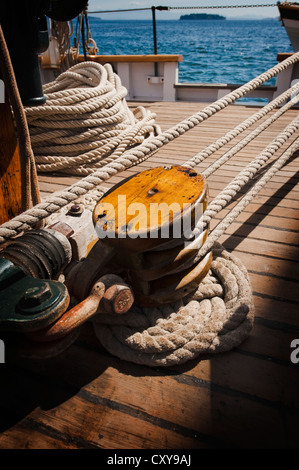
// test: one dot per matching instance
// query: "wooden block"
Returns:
(158, 264)
(173, 287)
(161, 197)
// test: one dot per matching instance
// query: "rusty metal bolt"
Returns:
(152, 191)
(118, 297)
(76, 210)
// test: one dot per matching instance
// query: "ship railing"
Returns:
(156, 78)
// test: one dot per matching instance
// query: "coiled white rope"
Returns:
(214, 319)
(86, 122)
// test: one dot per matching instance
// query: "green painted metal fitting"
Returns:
(34, 297)
(28, 303)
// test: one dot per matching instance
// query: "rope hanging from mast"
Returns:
(30, 191)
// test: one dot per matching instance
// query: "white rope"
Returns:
(154, 143)
(239, 207)
(130, 157)
(230, 191)
(215, 318)
(61, 113)
(217, 144)
(92, 124)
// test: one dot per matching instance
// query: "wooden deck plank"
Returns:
(93, 401)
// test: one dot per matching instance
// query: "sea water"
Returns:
(214, 51)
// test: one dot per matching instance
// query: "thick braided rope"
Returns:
(215, 318)
(154, 143)
(226, 195)
(234, 150)
(60, 199)
(86, 122)
(31, 217)
(219, 230)
(240, 206)
(217, 144)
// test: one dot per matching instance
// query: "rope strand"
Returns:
(217, 144)
(129, 158)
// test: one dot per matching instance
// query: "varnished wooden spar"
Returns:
(10, 166)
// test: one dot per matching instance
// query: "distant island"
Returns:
(202, 16)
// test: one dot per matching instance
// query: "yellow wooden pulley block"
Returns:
(148, 222)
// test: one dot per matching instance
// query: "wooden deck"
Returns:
(246, 398)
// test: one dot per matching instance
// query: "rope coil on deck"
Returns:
(86, 122)
(217, 317)
(214, 319)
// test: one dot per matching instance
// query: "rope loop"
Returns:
(215, 318)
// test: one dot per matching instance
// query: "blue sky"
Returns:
(105, 5)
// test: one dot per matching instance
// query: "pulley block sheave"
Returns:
(152, 225)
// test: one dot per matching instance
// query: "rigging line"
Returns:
(202, 7)
(130, 158)
(215, 7)
(233, 187)
(221, 227)
(219, 143)
(118, 11)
